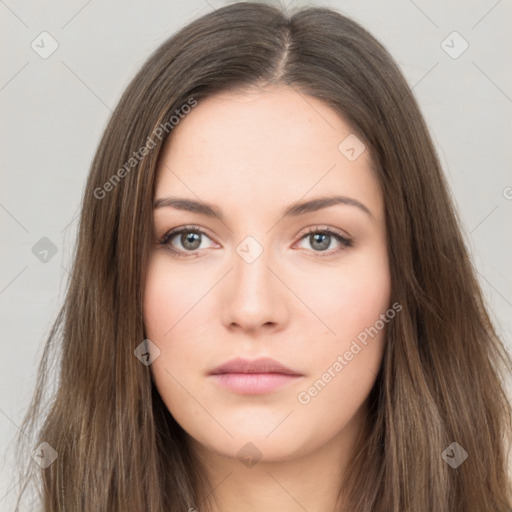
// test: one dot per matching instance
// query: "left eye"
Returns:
(320, 239)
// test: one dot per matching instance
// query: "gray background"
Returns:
(54, 110)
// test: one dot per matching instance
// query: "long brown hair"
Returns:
(442, 376)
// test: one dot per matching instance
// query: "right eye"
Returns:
(190, 239)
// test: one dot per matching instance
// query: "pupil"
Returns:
(190, 238)
(324, 242)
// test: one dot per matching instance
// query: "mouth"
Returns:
(254, 377)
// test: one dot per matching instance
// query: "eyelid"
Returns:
(189, 227)
(324, 228)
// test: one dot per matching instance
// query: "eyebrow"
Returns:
(294, 210)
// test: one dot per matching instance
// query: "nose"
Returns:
(254, 297)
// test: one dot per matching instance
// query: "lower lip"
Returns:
(253, 383)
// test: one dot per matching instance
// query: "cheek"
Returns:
(345, 360)
(351, 300)
(158, 301)
(343, 370)
(168, 296)
(171, 319)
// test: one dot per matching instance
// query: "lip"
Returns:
(260, 365)
(252, 377)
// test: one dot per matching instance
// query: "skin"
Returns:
(252, 154)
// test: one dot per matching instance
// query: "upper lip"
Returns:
(260, 365)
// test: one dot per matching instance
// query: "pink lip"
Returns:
(260, 365)
(253, 377)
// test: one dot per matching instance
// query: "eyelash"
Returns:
(164, 241)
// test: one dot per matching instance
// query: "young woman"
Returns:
(271, 305)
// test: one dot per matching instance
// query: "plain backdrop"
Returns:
(54, 109)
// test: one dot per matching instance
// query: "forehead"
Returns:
(263, 146)
(266, 122)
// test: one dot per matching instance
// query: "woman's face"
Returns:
(256, 275)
